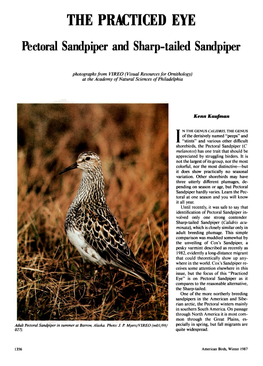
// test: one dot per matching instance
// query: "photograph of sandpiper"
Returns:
(92, 212)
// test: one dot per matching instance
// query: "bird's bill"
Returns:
(73, 166)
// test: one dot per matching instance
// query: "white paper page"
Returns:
(224, 79)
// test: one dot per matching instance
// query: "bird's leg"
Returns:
(111, 284)
(81, 281)
(84, 269)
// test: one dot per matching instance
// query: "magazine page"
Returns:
(131, 180)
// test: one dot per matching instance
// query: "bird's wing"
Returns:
(102, 232)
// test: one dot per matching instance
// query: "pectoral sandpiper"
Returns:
(90, 225)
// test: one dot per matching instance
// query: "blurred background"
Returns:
(132, 142)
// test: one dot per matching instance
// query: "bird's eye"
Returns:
(87, 158)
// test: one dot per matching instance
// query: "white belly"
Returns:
(86, 251)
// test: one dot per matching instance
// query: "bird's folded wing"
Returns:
(104, 234)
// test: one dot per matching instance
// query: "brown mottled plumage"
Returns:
(91, 227)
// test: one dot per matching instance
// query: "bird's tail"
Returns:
(133, 267)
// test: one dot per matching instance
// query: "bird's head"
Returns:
(88, 162)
